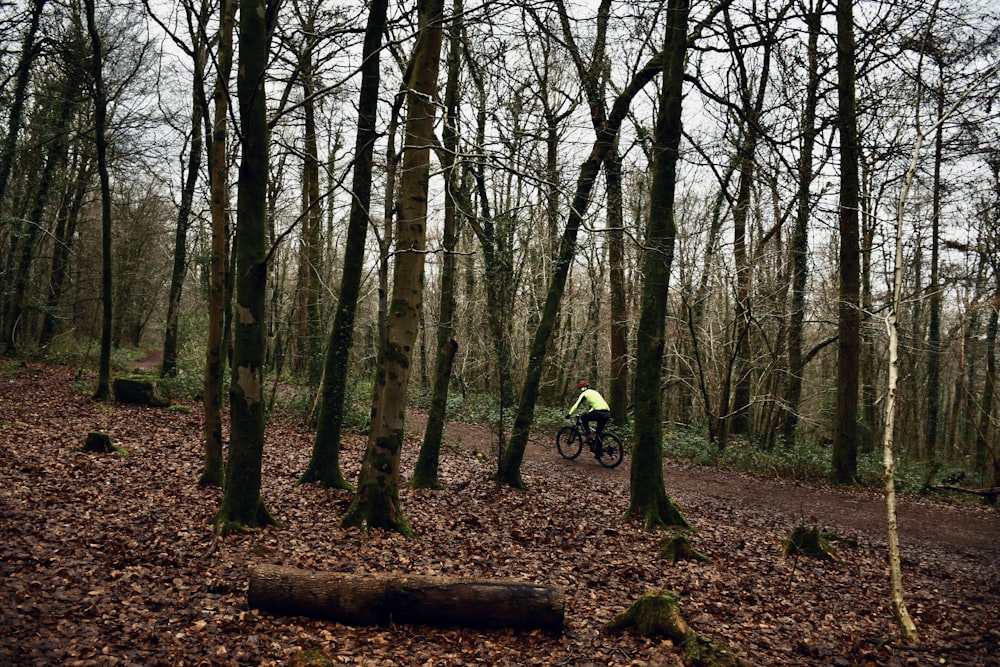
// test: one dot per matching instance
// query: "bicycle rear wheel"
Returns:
(568, 442)
(612, 451)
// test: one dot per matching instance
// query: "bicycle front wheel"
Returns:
(568, 442)
(612, 451)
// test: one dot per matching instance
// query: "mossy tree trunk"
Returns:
(648, 499)
(425, 473)
(242, 505)
(103, 390)
(324, 465)
(376, 503)
(218, 177)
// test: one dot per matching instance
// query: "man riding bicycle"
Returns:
(598, 409)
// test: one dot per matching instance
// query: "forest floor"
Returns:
(108, 559)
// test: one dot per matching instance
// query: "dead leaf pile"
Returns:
(108, 559)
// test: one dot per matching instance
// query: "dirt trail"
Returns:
(925, 525)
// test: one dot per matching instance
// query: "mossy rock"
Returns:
(141, 390)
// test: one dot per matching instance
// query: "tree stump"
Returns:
(381, 598)
(809, 541)
(141, 390)
(98, 442)
(658, 613)
(679, 548)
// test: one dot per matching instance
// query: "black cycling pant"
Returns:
(599, 416)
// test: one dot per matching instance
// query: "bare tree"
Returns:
(376, 503)
(103, 389)
(425, 472)
(218, 274)
(845, 443)
(241, 505)
(648, 499)
(324, 465)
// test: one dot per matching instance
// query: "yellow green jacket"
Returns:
(594, 401)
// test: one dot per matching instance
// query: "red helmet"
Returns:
(583, 384)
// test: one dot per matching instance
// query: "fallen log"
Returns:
(989, 495)
(381, 598)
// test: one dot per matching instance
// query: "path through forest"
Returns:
(110, 559)
(924, 524)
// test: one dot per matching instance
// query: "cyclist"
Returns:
(598, 409)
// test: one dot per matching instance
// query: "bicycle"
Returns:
(608, 446)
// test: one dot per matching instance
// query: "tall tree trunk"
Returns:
(985, 448)
(55, 155)
(618, 396)
(740, 421)
(933, 390)
(591, 71)
(324, 465)
(958, 420)
(895, 568)
(307, 331)
(648, 499)
(425, 472)
(752, 103)
(510, 464)
(696, 313)
(845, 442)
(499, 271)
(242, 505)
(800, 233)
(103, 389)
(869, 374)
(65, 231)
(982, 419)
(219, 274)
(376, 503)
(29, 52)
(168, 367)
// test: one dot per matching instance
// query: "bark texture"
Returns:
(845, 442)
(324, 465)
(648, 499)
(376, 503)
(215, 358)
(242, 505)
(383, 598)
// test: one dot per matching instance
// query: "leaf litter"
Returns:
(110, 560)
